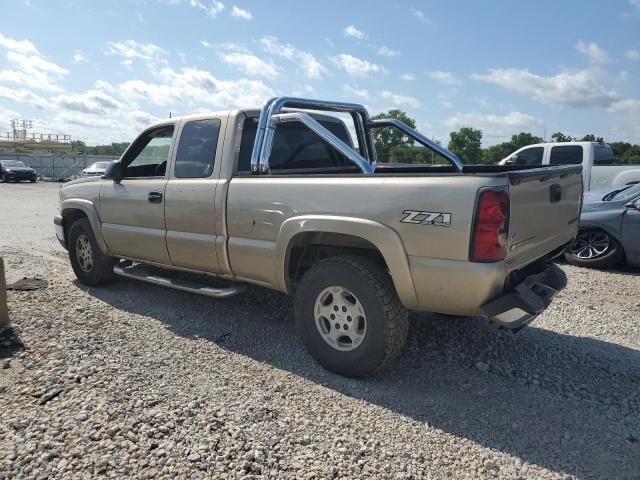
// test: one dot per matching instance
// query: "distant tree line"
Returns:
(115, 149)
(394, 147)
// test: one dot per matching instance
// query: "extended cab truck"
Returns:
(600, 168)
(285, 198)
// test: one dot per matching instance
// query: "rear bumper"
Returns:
(528, 299)
(59, 226)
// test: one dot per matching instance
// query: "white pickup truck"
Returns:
(600, 168)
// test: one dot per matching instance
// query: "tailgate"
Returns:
(545, 208)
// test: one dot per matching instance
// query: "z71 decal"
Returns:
(418, 217)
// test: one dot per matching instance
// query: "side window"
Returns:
(197, 149)
(566, 155)
(149, 154)
(295, 147)
(531, 156)
(603, 155)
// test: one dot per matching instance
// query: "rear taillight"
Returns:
(489, 241)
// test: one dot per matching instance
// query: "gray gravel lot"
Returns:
(135, 381)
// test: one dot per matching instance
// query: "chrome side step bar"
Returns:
(139, 272)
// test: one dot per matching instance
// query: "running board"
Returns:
(139, 272)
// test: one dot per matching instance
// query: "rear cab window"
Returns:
(297, 149)
(566, 155)
(531, 156)
(603, 155)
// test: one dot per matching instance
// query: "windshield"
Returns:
(627, 193)
(13, 163)
(99, 165)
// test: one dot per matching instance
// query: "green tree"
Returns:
(78, 146)
(632, 155)
(495, 153)
(619, 148)
(392, 137)
(561, 137)
(466, 143)
(523, 139)
(590, 137)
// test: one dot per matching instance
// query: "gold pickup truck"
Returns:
(295, 198)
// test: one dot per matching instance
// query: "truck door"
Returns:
(190, 196)
(132, 209)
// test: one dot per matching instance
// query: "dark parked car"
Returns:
(15, 170)
(609, 230)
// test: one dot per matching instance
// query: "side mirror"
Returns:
(114, 171)
(512, 160)
(633, 204)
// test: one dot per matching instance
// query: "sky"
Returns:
(103, 70)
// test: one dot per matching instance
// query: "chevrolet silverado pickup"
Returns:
(292, 198)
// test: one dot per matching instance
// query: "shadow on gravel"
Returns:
(10, 342)
(566, 403)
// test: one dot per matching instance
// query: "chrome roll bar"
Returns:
(272, 114)
(418, 137)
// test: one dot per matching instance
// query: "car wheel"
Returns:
(33, 180)
(349, 317)
(91, 266)
(594, 248)
(4, 179)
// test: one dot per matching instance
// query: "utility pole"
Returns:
(4, 309)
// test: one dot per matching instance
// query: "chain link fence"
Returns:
(57, 167)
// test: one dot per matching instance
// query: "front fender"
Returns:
(89, 209)
(386, 240)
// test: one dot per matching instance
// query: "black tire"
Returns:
(611, 257)
(387, 322)
(100, 270)
(33, 180)
(4, 179)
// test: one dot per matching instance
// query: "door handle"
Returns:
(155, 197)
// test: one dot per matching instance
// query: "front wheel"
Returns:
(91, 266)
(595, 249)
(349, 317)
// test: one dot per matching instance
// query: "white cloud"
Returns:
(28, 68)
(190, 87)
(420, 15)
(400, 100)
(131, 50)
(205, 44)
(6, 115)
(21, 46)
(79, 57)
(356, 67)
(592, 51)
(92, 102)
(307, 63)
(22, 95)
(210, 7)
(578, 89)
(387, 52)
(352, 31)
(446, 78)
(250, 64)
(495, 128)
(241, 13)
(356, 92)
(633, 55)
(105, 86)
(408, 76)
(417, 13)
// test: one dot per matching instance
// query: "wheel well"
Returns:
(70, 216)
(307, 248)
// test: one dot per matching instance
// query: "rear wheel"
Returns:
(596, 249)
(349, 317)
(91, 266)
(4, 179)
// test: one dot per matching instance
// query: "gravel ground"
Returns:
(134, 381)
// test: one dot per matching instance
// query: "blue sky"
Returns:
(101, 71)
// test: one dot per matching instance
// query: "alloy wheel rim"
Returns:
(84, 253)
(340, 318)
(589, 245)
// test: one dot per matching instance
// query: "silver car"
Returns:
(609, 230)
(96, 169)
